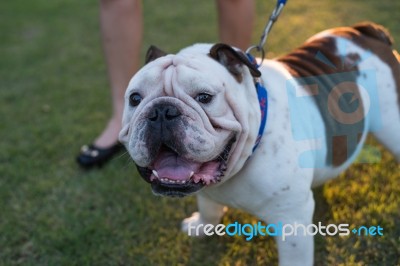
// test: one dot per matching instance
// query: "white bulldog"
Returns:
(191, 121)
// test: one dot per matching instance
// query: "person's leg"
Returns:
(235, 22)
(121, 30)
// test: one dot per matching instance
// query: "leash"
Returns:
(262, 93)
(272, 19)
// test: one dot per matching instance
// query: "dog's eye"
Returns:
(204, 98)
(135, 99)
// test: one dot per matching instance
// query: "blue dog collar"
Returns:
(263, 101)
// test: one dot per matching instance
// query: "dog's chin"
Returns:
(171, 174)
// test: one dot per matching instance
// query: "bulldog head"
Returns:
(191, 119)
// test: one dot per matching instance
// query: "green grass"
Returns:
(54, 97)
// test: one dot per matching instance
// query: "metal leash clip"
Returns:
(272, 19)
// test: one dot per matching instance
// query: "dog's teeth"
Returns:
(170, 181)
(191, 174)
(155, 173)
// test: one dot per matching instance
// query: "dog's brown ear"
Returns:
(233, 60)
(153, 53)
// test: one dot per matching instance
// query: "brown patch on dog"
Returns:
(377, 39)
(233, 60)
(304, 63)
(339, 150)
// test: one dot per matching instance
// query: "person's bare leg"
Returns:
(121, 31)
(235, 22)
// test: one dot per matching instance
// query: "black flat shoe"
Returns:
(93, 156)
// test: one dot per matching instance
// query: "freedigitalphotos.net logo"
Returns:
(249, 231)
(346, 99)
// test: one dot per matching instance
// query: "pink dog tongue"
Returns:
(169, 165)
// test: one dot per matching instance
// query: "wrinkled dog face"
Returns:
(180, 126)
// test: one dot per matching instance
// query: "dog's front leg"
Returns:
(294, 249)
(209, 212)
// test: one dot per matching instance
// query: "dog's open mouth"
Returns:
(173, 175)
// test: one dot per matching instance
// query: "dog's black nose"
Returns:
(163, 112)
